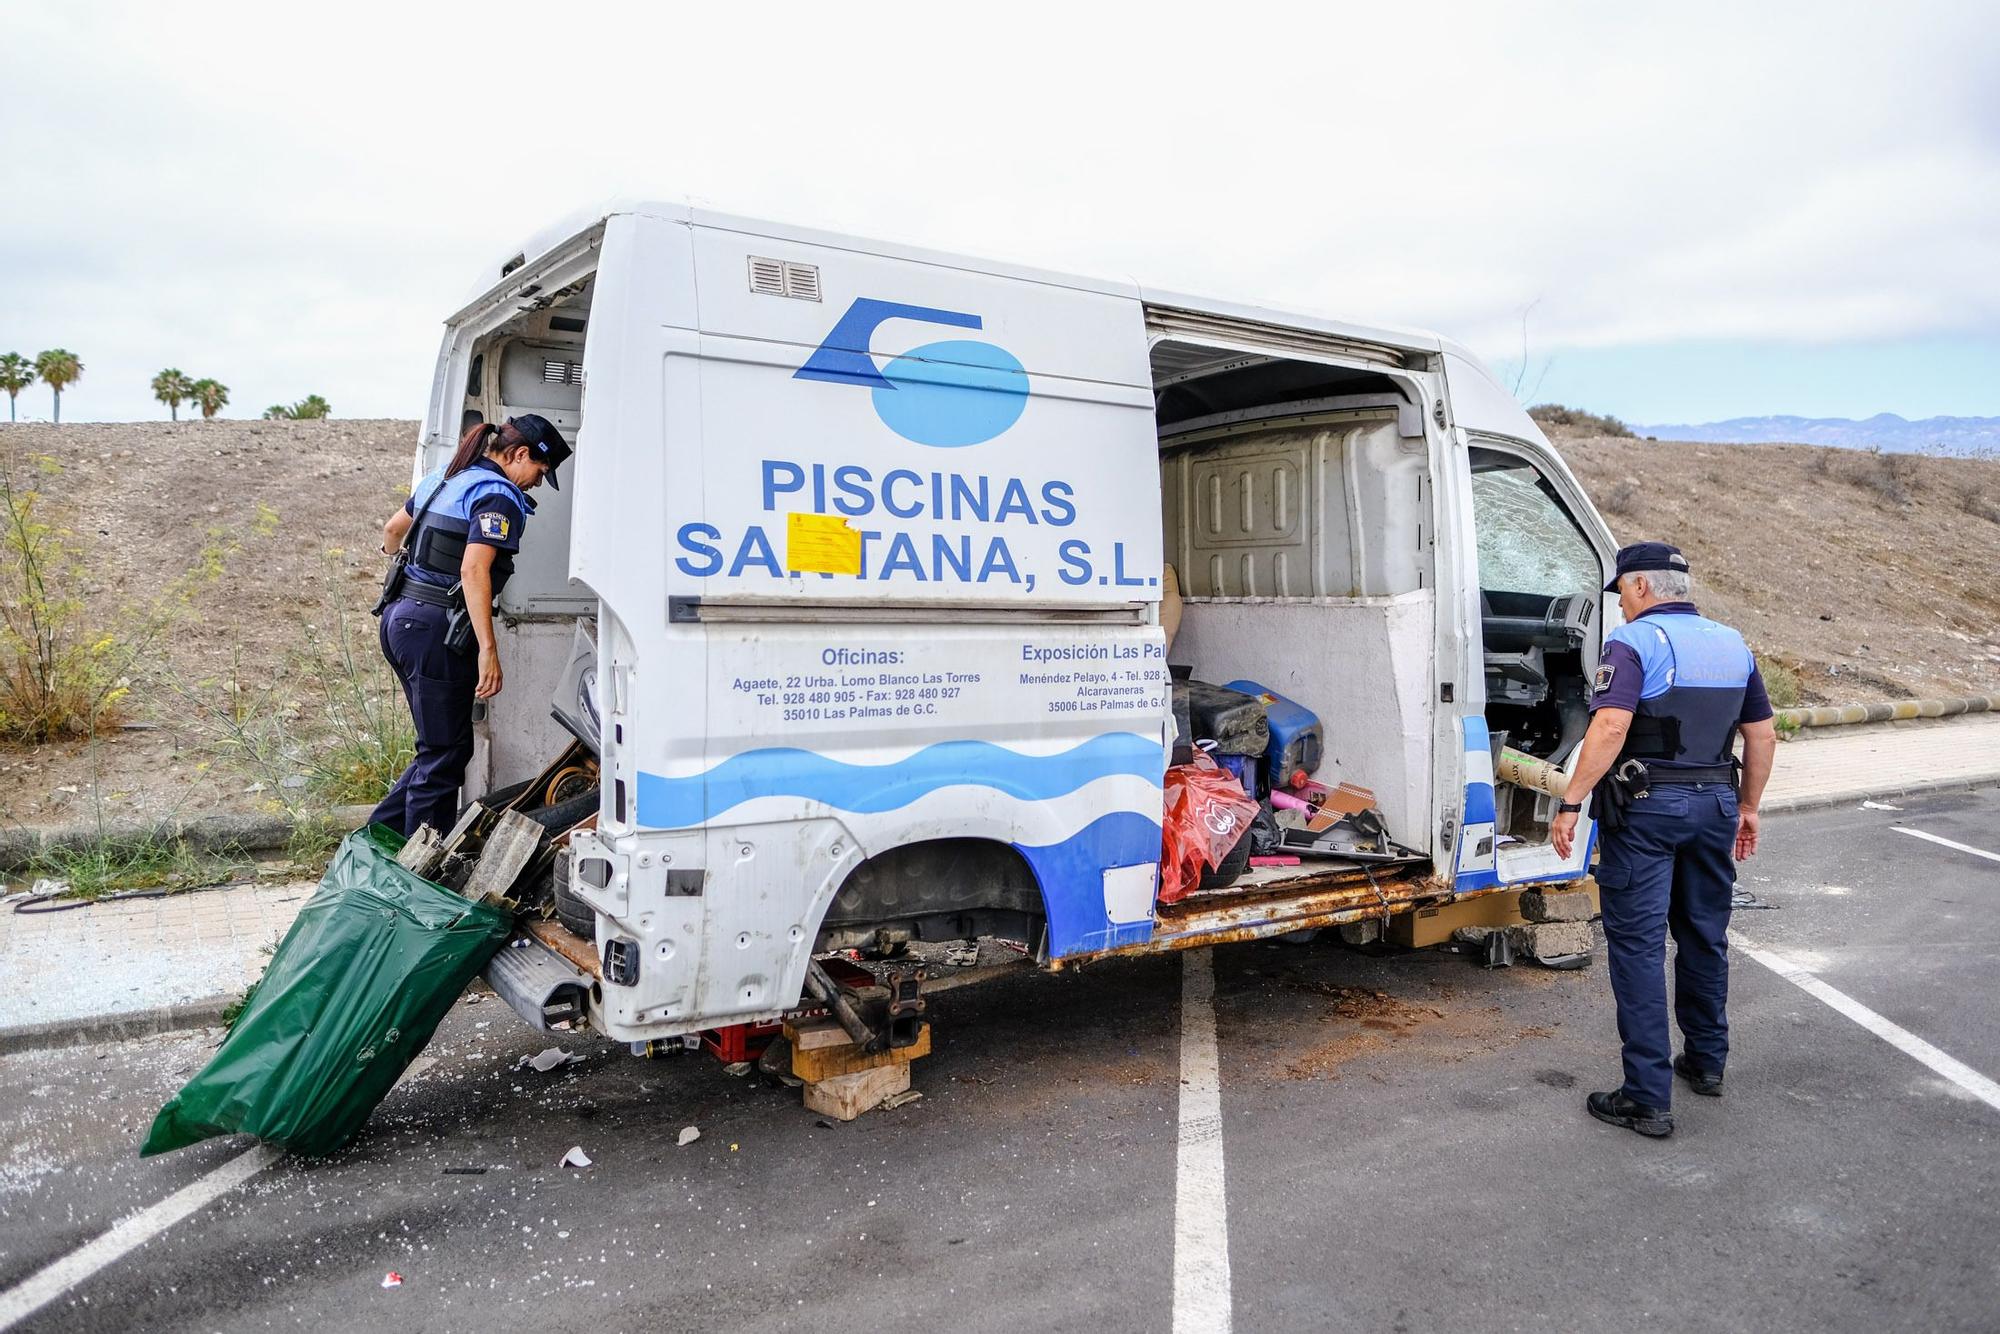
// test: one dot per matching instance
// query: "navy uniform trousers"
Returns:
(439, 685)
(1670, 868)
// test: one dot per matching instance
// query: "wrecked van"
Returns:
(856, 595)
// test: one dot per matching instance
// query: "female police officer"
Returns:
(455, 538)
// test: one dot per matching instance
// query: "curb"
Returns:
(1890, 711)
(1820, 801)
(119, 1026)
(20, 845)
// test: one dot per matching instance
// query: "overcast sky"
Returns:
(1701, 210)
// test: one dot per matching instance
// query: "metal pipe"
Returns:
(821, 984)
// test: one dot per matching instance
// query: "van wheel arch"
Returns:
(935, 889)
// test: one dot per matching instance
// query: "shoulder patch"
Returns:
(493, 525)
(1605, 674)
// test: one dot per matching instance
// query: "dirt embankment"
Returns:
(1869, 575)
(1872, 578)
(285, 517)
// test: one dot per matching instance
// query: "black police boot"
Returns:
(1620, 1110)
(1708, 1083)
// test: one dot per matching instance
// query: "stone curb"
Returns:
(118, 1026)
(1890, 711)
(20, 845)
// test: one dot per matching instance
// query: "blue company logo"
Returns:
(948, 394)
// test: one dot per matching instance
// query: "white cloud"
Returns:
(292, 199)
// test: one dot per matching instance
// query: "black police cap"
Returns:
(544, 441)
(1643, 556)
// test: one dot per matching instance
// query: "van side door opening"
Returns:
(1296, 511)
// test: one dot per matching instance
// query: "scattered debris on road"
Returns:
(576, 1157)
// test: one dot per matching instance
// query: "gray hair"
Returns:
(1667, 585)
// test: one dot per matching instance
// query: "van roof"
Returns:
(574, 224)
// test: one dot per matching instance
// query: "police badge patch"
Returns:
(1605, 671)
(493, 526)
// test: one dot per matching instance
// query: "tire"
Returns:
(563, 814)
(1232, 866)
(577, 917)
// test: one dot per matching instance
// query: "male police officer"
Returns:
(1672, 690)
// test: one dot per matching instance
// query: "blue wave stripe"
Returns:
(1071, 874)
(868, 789)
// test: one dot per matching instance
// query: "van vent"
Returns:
(781, 277)
(562, 372)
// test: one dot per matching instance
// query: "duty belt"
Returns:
(416, 590)
(1715, 773)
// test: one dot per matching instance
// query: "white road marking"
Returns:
(53, 1280)
(1902, 1039)
(1201, 1204)
(44, 1286)
(1945, 842)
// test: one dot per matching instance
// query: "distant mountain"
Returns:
(1957, 436)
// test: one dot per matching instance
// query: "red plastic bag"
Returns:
(1207, 813)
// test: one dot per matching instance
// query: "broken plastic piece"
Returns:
(688, 1135)
(548, 1059)
(392, 1279)
(576, 1157)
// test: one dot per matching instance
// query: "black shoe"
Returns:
(1620, 1110)
(1708, 1083)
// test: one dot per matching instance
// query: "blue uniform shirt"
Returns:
(1672, 662)
(479, 503)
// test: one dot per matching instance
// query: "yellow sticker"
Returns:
(821, 544)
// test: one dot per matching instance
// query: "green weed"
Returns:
(108, 865)
(1781, 682)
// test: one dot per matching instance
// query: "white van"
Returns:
(869, 543)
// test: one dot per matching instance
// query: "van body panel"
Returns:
(874, 541)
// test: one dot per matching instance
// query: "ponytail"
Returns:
(473, 444)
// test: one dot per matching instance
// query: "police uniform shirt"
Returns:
(1670, 658)
(492, 510)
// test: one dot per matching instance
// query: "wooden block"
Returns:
(816, 1033)
(845, 1097)
(814, 1064)
(511, 845)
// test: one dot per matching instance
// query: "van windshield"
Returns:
(1527, 541)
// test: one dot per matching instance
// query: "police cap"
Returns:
(544, 441)
(1642, 556)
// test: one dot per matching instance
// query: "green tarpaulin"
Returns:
(355, 990)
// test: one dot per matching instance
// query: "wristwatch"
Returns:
(1570, 807)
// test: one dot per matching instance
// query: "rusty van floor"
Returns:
(1403, 1141)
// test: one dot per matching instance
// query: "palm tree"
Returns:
(58, 367)
(211, 396)
(310, 408)
(172, 388)
(16, 374)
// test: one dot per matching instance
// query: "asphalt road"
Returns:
(1404, 1140)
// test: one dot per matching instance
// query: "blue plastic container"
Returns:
(1297, 739)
